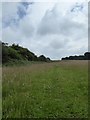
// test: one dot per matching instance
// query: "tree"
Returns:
(42, 58)
(87, 55)
(16, 52)
(5, 53)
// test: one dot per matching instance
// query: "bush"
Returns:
(13, 54)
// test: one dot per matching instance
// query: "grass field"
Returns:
(57, 89)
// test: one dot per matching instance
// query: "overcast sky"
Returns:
(54, 29)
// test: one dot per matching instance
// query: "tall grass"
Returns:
(0, 92)
(49, 90)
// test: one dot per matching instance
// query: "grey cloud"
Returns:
(9, 13)
(26, 27)
(12, 12)
(89, 17)
(77, 7)
(22, 9)
(59, 43)
(53, 23)
(48, 24)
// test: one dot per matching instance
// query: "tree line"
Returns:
(16, 52)
(86, 56)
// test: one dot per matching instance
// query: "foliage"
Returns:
(16, 52)
(42, 58)
(86, 56)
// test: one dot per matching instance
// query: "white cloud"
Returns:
(26, 28)
(48, 28)
(54, 22)
(0, 21)
(9, 12)
(11, 35)
(45, 0)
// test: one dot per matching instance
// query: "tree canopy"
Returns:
(86, 56)
(16, 52)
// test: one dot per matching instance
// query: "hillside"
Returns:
(19, 53)
(16, 52)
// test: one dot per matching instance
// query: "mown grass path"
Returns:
(58, 89)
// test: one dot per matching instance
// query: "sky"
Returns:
(53, 28)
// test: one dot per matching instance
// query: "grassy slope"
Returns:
(57, 89)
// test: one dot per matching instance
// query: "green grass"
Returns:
(20, 63)
(58, 89)
(0, 92)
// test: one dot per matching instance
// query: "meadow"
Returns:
(45, 90)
